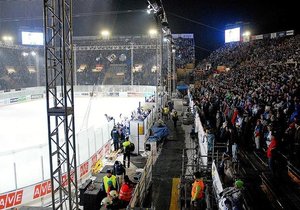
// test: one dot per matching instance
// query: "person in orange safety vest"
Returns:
(197, 194)
(126, 191)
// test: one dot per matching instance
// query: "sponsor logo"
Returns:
(23, 98)
(106, 148)
(42, 189)
(84, 168)
(13, 100)
(11, 199)
(65, 180)
(36, 96)
(94, 159)
(100, 153)
(113, 94)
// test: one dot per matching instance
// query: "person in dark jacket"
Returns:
(126, 152)
(115, 137)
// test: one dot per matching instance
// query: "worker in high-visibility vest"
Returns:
(126, 191)
(197, 195)
(110, 178)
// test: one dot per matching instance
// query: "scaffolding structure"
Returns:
(60, 103)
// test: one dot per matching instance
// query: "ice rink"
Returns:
(24, 125)
(24, 128)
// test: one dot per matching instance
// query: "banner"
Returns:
(39, 190)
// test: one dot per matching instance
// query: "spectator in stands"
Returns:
(210, 139)
(271, 152)
(126, 152)
(233, 196)
(296, 148)
(198, 193)
(258, 132)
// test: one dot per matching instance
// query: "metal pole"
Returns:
(75, 65)
(138, 135)
(174, 71)
(131, 63)
(156, 85)
(169, 73)
(42, 164)
(38, 81)
(15, 175)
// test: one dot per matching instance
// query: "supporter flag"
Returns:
(111, 58)
(153, 69)
(137, 67)
(82, 68)
(290, 32)
(10, 69)
(31, 69)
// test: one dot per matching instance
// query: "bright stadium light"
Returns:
(105, 33)
(246, 33)
(152, 32)
(33, 53)
(7, 38)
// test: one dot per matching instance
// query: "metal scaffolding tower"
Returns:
(158, 69)
(169, 73)
(60, 102)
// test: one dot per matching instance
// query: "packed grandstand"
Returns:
(247, 93)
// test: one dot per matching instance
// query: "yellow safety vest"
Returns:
(113, 178)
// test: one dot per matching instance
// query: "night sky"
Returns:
(205, 19)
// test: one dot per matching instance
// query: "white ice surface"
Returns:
(23, 127)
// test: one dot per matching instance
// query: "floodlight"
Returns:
(152, 32)
(246, 33)
(105, 33)
(7, 38)
(33, 53)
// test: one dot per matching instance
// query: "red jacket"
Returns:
(125, 192)
(272, 146)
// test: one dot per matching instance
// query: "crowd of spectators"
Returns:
(92, 64)
(18, 68)
(185, 51)
(144, 61)
(256, 104)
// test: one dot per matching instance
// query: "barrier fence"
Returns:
(25, 178)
